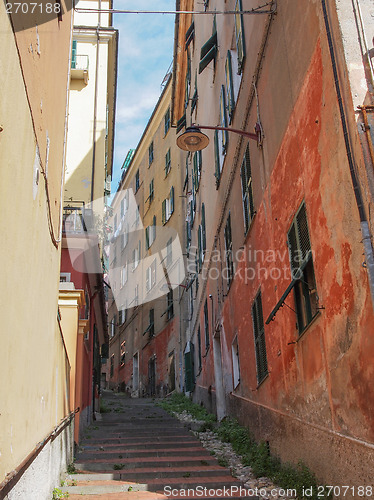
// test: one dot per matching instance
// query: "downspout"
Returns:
(366, 238)
(95, 103)
(65, 131)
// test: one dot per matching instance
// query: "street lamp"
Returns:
(195, 140)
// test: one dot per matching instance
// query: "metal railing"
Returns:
(76, 218)
(79, 61)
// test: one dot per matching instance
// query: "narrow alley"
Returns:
(139, 452)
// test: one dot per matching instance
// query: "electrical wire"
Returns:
(256, 10)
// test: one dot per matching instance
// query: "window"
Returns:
(168, 207)
(151, 191)
(124, 204)
(65, 277)
(136, 256)
(137, 181)
(150, 276)
(167, 121)
(115, 224)
(151, 325)
(259, 337)
(123, 352)
(247, 193)
(125, 236)
(188, 235)
(228, 251)
(74, 55)
(124, 275)
(239, 35)
(189, 367)
(113, 326)
(306, 299)
(170, 305)
(223, 121)
(199, 346)
(137, 216)
(167, 162)
(206, 325)
(122, 315)
(196, 172)
(235, 362)
(150, 154)
(230, 98)
(169, 253)
(136, 296)
(150, 234)
(111, 365)
(209, 51)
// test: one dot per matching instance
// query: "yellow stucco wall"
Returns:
(33, 371)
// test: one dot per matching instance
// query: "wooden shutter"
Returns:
(190, 34)
(239, 36)
(164, 212)
(223, 119)
(171, 200)
(208, 52)
(74, 55)
(229, 86)
(217, 159)
(259, 338)
(203, 226)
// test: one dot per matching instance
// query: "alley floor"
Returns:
(137, 451)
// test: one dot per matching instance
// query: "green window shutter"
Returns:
(229, 86)
(298, 240)
(74, 55)
(247, 192)
(259, 338)
(217, 158)
(154, 228)
(147, 237)
(208, 52)
(164, 212)
(194, 97)
(181, 123)
(190, 34)
(199, 247)
(239, 36)
(223, 119)
(199, 346)
(185, 184)
(203, 226)
(171, 200)
(206, 325)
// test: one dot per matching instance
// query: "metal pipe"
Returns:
(95, 104)
(234, 130)
(367, 131)
(15, 475)
(366, 238)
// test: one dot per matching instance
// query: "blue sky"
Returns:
(144, 57)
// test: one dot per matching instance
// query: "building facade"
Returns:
(36, 441)
(146, 263)
(279, 224)
(88, 174)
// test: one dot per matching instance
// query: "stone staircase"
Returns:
(139, 452)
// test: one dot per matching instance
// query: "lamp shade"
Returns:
(192, 140)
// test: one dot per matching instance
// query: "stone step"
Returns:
(138, 445)
(147, 439)
(140, 453)
(128, 463)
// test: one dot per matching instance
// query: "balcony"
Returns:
(76, 218)
(79, 67)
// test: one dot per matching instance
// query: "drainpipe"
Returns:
(95, 103)
(366, 237)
